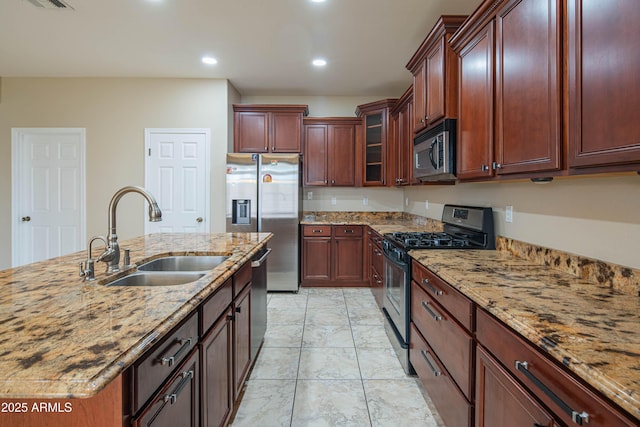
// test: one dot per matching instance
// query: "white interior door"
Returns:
(177, 174)
(48, 193)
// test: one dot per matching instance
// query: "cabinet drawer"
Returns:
(215, 306)
(376, 257)
(451, 299)
(454, 409)
(452, 344)
(536, 372)
(375, 237)
(241, 278)
(178, 402)
(152, 369)
(316, 231)
(347, 231)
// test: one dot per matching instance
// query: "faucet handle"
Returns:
(83, 272)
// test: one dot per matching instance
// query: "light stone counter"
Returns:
(64, 337)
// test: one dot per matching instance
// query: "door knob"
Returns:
(199, 219)
(26, 218)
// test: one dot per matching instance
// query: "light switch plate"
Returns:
(309, 195)
(333, 201)
(365, 201)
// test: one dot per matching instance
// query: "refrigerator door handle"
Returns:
(259, 262)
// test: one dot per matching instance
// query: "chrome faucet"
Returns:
(112, 255)
(88, 269)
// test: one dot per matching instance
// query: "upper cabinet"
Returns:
(331, 151)
(603, 84)
(513, 53)
(401, 140)
(268, 128)
(434, 72)
(375, 117)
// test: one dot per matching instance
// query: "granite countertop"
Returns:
(382, 222)
(593, 327)
(64, 337)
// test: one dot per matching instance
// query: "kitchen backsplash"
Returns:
(623, 279)
(613, 276)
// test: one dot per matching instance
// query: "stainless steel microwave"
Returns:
(434, 153)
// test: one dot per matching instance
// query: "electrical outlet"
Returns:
(406, 201)
(508, 214)
(365, 201)
(309, 195)
(333, 201)
(426, 205)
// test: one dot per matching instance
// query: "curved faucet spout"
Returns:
(155, 214)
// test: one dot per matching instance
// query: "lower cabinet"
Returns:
(501, 401)
(333, 255)
(178, 402)
(376, 273)
(241, 338)
(217, 372)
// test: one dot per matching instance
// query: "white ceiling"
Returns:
(264, 47)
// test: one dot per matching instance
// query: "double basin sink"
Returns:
(170, 271)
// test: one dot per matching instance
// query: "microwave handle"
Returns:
(433, 144)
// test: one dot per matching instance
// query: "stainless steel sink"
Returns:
(145, 278)
(183, 263)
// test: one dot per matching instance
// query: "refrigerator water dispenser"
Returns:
(241, 211)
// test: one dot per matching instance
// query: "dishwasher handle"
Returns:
(263, 258)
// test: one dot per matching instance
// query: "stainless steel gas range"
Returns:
(465, 227)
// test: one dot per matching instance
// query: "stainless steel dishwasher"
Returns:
(258, 299)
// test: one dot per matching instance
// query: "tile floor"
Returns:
(326, 361)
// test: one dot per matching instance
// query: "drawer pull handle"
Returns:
(577, 417)
(435, 316)
(316, 231)
(348, 231)
(169, 361)
(436, 292)
(173, 397)
(436, 372)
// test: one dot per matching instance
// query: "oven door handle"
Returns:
(402, 265)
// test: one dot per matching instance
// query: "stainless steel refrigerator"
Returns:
(263, 194)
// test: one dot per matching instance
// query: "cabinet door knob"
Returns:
(497, 165)
(484, 168)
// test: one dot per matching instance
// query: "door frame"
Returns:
(16, 172)
(207, 166)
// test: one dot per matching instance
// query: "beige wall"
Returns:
(115, 113)
(591, 216)
(319, 106)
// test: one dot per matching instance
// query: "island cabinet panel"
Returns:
(528, 96)
(475, 117)
(603, 84)
(268, 128)
(333, 255)
(565, 396)
(453, 407)
(501, 401)
(177, 403)
(217, 372)
(152, 369)
(241, 338)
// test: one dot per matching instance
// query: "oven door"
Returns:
(396, 289)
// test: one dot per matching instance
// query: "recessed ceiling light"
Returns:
(209, 60)
(319, 62)
(317, 1)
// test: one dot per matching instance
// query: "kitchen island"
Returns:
(63, 337)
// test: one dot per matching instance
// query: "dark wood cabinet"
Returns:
(375, 257)
(528, 96)
(241, 308)
(434, 72)
(514, 53)
(401, 140)
(178, 402)
(375, 154)
(603, 85)
(551, 384)
(475, 103)
(330, 151)
(501, 401)
(333, 255)
(217, 372)
(268, 128)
